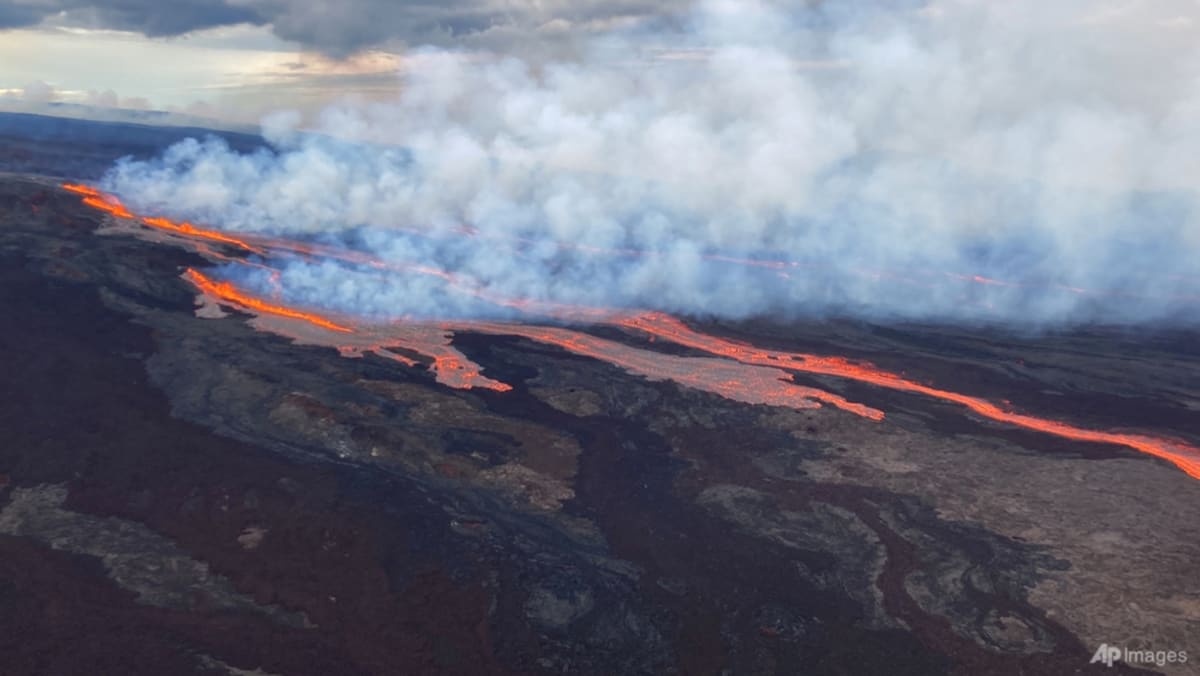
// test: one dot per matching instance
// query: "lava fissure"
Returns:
(665, 327)
(228, 292)
(742, 372)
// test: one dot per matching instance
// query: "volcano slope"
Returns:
(181, 494)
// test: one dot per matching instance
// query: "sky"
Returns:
(236, 60)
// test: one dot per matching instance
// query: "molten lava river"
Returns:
(734, 370)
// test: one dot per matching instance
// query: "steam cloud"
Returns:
(886, 152)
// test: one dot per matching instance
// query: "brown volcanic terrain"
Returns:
(186, 495)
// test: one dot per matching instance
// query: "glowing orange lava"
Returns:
(108, 205)
(81, 189)
(189, 230)
(737, 382)
(111, 205)
(562, 311)
(228, 292)
(759, 376)
(450, 367)
(1183, 456)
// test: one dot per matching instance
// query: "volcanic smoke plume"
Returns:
(741, 372)
(961, 160)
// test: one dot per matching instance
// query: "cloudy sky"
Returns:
(237, 59)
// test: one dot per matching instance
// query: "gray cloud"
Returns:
(159, 19)
(340, 27)
(39, 92)
(19, 16)
(154, 19)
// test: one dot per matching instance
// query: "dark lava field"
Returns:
(183, 495)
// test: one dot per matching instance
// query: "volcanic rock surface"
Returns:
(181, 494)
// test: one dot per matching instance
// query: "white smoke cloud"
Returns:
(889, 154)
(39, 92)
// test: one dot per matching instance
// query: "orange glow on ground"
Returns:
(229, 293)
(766, 382)
(107, 205)
(1183, 456)
(450, 367)
(189, 230)
(738, 382)
(111, 205)
(81, 189)
(196, 238)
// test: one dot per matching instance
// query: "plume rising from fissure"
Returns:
(737, 371)
(965, 161)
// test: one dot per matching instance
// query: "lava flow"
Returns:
(743, 373)
(450, 367)
(228, 292)
(738, 382)
(1183, 456)
(113, 206)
